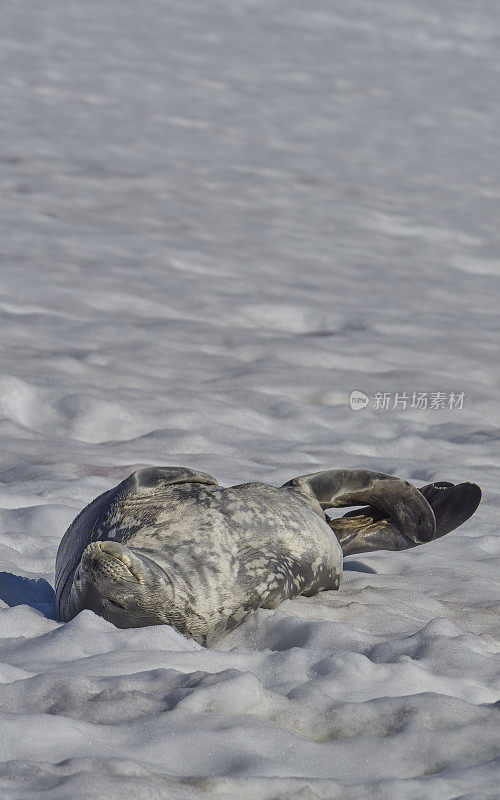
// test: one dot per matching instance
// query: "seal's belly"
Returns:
(240, 548)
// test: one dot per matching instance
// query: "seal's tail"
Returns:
(371, 528)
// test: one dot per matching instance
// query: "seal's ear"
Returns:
(408, 508)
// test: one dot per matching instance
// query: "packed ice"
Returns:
(218, 220)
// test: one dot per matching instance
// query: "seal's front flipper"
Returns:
(408, 509)
(368, 528)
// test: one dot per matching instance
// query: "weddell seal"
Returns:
(170, 546)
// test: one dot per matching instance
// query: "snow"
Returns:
(217, 221)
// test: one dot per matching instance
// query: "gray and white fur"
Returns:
(170, 546)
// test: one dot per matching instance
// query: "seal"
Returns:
(170, 546)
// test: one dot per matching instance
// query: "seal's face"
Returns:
(121, 585)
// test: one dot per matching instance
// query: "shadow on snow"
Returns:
(350, 565)
(15, 590)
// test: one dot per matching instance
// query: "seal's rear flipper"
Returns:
(395, 498)
(452, 505)
(368, 528)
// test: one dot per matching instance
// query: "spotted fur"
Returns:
(170, 546)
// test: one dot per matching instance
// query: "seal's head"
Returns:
(122, 585)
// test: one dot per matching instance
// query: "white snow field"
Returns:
(218, 219)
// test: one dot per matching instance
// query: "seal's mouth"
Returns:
(113, 559)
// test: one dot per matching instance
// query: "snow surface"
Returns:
(218, 219)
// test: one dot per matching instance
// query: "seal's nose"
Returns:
(111, 559)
